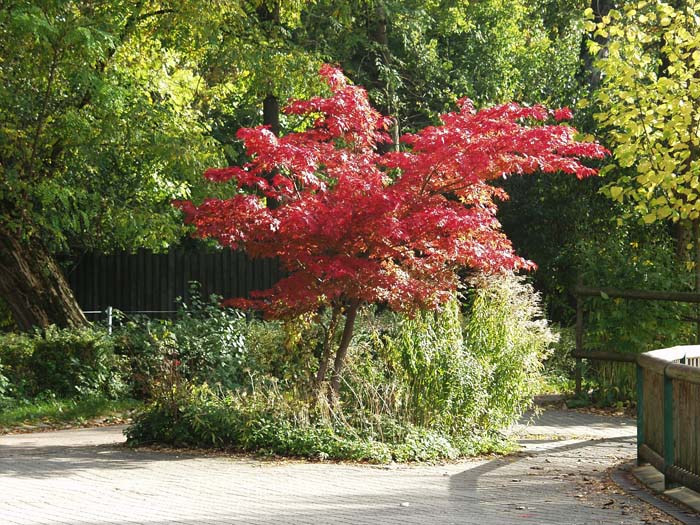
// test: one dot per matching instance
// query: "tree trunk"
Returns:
(271, 113)
(682, 237)
(342, 352)
(588, 74)
(326, 352)
(33, 286)
(269, 15)
(380, 36)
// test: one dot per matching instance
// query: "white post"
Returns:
(109, 320)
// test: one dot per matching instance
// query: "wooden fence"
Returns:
(668, 391)
(580, 292)
(150, 283)
(668, 413)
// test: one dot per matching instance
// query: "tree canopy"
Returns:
(649, 101)
(352, 225)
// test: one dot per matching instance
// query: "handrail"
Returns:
(644, 295)
(581, 291)
(668, 409)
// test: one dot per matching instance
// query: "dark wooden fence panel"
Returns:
(652, 406)
(145, 281)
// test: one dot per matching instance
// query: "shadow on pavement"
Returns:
(55, 461)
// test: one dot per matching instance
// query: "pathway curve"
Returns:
(80, 477)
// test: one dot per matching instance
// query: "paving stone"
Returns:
(81, 477)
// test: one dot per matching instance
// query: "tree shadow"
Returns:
(532, 497)
(32, 461)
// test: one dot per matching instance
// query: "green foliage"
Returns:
(15, 353)
(548, 219)
(61, 362)
(641, 259)
(70, 362)
(430, 387)
(577, 233)
(4, 383)
(435, 52)
(559, 367)
(207, 341)
(508, 336)
(272, 424)
(416, 370)
(101, 127)
(52, 411)
(650, 104)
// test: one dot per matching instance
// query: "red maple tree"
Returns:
(352, 225)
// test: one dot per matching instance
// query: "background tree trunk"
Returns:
(271, 113)
(269, 14)
(696, 258)
(588, 74)
(34, 287)
(342, 352)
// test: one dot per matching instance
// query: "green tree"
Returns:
(100, 129)
(649, 102)
(417, 58)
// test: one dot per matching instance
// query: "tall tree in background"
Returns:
(416, 58)
(99, 130)
(649, 102)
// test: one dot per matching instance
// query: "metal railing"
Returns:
(111, 313)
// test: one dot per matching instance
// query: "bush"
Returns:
(647, 260)
(15, 354)
(208, 341)
(415, 370)
(77, 362)
(510, 339)
(61, 362)
(4, 384)
(273, 425)
(460, 372)
(428, 387)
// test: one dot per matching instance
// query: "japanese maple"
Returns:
(354, 225)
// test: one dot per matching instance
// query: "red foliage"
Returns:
(353, 225)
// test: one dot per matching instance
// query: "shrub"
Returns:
(15, 353)
(207, 340)
(271, 424)
(459, 372)
(415, 371)
(4, 383)
(61, 362)
(642, 258)
(420, 388)
(73, 362)
(508, 337)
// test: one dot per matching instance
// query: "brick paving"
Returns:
(80, 477)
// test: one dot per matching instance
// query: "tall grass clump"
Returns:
(416, 388)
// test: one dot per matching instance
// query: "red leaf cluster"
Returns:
(353, 225)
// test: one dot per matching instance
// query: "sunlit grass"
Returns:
(67, 411)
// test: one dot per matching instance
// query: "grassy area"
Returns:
(63, 411)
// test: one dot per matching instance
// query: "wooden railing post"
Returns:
(640, 412)
(669, 438)
(579, 340)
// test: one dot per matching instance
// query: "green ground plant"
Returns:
(62, 363)
(53, 411)
(422, 388)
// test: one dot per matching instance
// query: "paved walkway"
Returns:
(80, 477)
